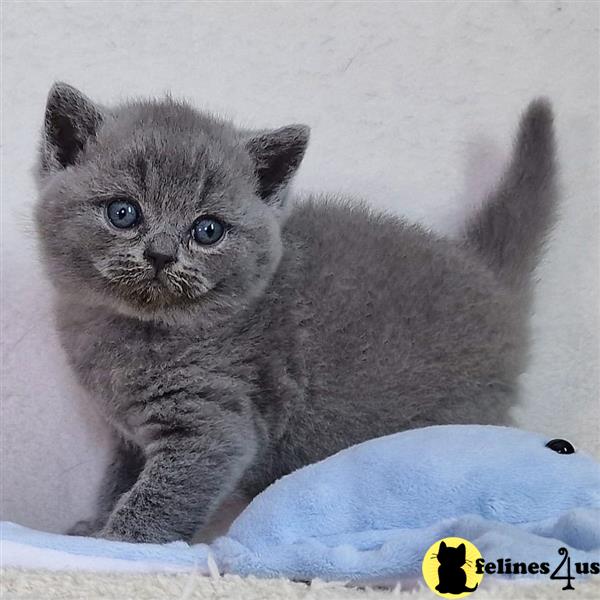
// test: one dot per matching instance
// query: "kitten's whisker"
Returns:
(173, 279)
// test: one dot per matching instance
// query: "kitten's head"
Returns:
(158, 211)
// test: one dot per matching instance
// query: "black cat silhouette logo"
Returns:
(449, 568)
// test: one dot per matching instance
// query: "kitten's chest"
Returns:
(118, 361)
(133, 368)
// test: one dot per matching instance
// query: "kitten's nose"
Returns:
(158, 260)
(161, 252)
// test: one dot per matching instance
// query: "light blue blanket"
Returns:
(369, 513)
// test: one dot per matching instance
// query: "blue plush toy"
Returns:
(370, 512)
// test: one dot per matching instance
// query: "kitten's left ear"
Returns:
(277, 155)
(71, 119)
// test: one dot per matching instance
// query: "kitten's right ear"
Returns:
(71, 120)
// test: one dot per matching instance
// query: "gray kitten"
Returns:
(230, 341)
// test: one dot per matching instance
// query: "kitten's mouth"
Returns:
(162, 291)
(153, 291)
(139, 290)
(159, 279)
(165, 290)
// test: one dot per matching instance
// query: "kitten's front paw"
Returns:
(84, 528)
(123, 533)
(136, 532)
(119, 534)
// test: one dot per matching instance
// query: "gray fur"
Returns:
(502, 230)
(302, 332)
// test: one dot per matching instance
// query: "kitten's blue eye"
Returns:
(208, 231)
(123, 214)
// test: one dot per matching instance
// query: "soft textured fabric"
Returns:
(369, 513)
(32, 584)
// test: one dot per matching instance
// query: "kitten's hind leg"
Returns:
(120, 475)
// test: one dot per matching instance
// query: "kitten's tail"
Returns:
(510, 230)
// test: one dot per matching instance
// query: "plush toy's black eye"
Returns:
(123, 214)
(208, 231)
(561, 446)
